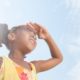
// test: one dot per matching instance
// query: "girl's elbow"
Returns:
(60, 59)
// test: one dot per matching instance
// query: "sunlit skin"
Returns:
(23, 42)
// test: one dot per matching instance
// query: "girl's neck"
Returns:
(16, 55)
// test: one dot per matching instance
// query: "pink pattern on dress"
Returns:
(23, 76)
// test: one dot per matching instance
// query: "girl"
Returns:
(21, 40)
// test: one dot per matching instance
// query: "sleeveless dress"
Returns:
(12, 71)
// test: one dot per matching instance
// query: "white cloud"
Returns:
(74, 73)
(73, 49)
(73, 3)
(74, 46)
(73, 6)
(5, 3)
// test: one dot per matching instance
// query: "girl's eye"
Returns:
(35, 37)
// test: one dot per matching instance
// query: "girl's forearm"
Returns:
(55, 52)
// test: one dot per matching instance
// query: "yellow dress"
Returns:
(10, 71)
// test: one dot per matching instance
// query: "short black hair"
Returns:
(3, 33)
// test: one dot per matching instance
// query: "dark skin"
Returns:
(23, 42)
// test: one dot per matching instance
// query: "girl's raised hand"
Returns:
(40, 30)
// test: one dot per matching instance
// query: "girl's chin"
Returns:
(31, 49)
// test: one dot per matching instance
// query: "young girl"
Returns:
(21, 40)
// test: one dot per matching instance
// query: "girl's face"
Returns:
(26, 39)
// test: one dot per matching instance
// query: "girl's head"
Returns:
(22, 37)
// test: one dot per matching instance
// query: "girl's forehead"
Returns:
(24, 27)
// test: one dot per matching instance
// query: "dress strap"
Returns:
(34, 73)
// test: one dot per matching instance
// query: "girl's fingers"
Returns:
(40, 34)
(37, 26)
(31, 27)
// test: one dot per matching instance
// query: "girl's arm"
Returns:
(56, 56)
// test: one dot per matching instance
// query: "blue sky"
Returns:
(61, 18)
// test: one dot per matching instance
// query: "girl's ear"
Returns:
(11, 36)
